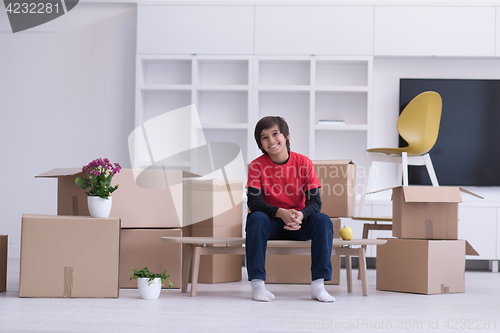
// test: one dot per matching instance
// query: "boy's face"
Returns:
(274, 143)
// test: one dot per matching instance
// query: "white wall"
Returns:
(66, 98)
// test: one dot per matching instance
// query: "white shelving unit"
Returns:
(232, 93)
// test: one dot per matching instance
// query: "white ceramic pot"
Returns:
(99, 207)
(149, 290)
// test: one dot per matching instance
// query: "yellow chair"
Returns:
(418, 124)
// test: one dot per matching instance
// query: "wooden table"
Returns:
(198, 247)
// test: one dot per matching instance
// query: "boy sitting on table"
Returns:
(284, 202)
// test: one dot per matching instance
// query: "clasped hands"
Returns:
(291, 217)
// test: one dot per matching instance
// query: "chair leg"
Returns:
(404, 162)
(430, 169)
(369, 160)
(400, 173)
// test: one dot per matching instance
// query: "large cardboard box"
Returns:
(141, 248)
(338, 187)
(426, 212)
(156, 203)
(69, 256)
(3, 262)
(218, 205)
(296, 269)
(422, 266)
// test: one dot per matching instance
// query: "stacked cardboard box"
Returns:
(3, 262)
(426, 257)
(69, 256)
(338, 183)
(158, 203)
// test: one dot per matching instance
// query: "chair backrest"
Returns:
(419, 122)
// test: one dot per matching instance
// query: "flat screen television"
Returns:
(467, 151)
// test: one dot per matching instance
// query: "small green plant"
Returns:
(146, 273)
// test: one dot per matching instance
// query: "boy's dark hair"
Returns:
(268, 122)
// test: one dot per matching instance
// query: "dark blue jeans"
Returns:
(260, 228)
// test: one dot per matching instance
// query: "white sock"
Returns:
(318, 291)
(259, 291)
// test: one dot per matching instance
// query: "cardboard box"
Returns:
(426, 212)
(3, 262)
(141, 248)
(153, 204)
(221, 206)
(296, 269)
(338, 187)
(422, 266)
(69, 256)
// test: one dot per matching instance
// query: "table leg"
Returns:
(348, 270)
(366, 229)
(185, 268)
(362, 270)
(195, 267)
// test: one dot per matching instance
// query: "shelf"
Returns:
(346, 89)
(332, 127)
(223, 72)
(166, 71)
(236, 126)
(341, 72)
(284, 88)
(165, 87)
(284, 72)
(222, 88)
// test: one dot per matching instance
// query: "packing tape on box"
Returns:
(445, 289)
(175, 141)
(68, 282)
(429, 229)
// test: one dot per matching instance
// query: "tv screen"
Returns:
(467, 151)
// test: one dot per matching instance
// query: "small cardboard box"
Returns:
(426, 212)
(69, 256)
(218, 205)
(3, 262)
(296, 269)
(141, 248)
(153, 204)
(422, 266)
(338, 187)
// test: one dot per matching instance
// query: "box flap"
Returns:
(59, 172)
(469, 192)
(469, 250)
(187, 174)
(431, 194)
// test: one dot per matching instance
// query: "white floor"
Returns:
(228, 307)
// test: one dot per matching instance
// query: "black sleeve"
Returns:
(256, 203)
(313, 203)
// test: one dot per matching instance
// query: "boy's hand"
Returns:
(291, 217)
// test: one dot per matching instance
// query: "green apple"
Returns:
(346, 233)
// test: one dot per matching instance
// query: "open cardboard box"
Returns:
(69, 256)
(150, 205)
(338, 187)
(218, 205)
(426, 212)
(422, 266)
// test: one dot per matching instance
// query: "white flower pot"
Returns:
(149, 290)
(99, 207)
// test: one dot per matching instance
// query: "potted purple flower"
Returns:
(98, 182)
